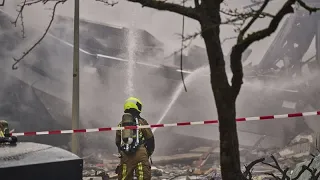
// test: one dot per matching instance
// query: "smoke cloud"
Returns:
(48, 69)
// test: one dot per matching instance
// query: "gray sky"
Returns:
(164, 25)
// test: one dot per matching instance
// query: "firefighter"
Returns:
(5, 134)
(135, 145)
(4, 128)
(1, 131)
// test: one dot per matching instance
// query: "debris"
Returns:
(202, 150)
(205, 156)
(203, 162)
(113, 175)
(197, 172)
(156, 172)
(178, 158)
(209, 171)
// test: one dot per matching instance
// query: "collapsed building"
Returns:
(285, 81)
(37, 96)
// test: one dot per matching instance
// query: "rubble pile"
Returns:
(203, 162)
(298, 150)
(100, 171)
(178, 166)
(198, 163)
(174, 171)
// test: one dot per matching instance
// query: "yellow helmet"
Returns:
(133, 103)
(3, 124)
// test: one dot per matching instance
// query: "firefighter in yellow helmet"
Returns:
(5, 134)
(135, 145)
(1, 131)
(4, 128)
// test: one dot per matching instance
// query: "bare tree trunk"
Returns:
(223, 94)
(226, 107)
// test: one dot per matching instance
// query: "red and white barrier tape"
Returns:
(281, 116)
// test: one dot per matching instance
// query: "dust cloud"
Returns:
(48, 73)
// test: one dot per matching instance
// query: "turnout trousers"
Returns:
(137, 162)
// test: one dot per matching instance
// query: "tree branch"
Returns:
(239, 48)
(181, 52)
(107, 2)
(250, 166)
(187, 42)
(17, 60)
(304, 168)
(245, 15)
(317, 176)
(308, 8)
(254, 18)
(314, 174)
(20, 16)
(228, 38)
(172, 7)
(243, 44)
(277, 167)
(29, 3)
(237, 70)
(258, 35)
(238, 19)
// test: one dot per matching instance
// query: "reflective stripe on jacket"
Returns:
(1, 133)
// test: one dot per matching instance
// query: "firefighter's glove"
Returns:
(149, 153)
(117, 169)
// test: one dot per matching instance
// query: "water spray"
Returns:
(195, 74)
(200, 72)
(131, 48)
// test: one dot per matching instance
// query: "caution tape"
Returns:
(281, 116)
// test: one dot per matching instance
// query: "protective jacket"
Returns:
(138, 161)
(4, 128)
(1, 133)
(145, 135)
